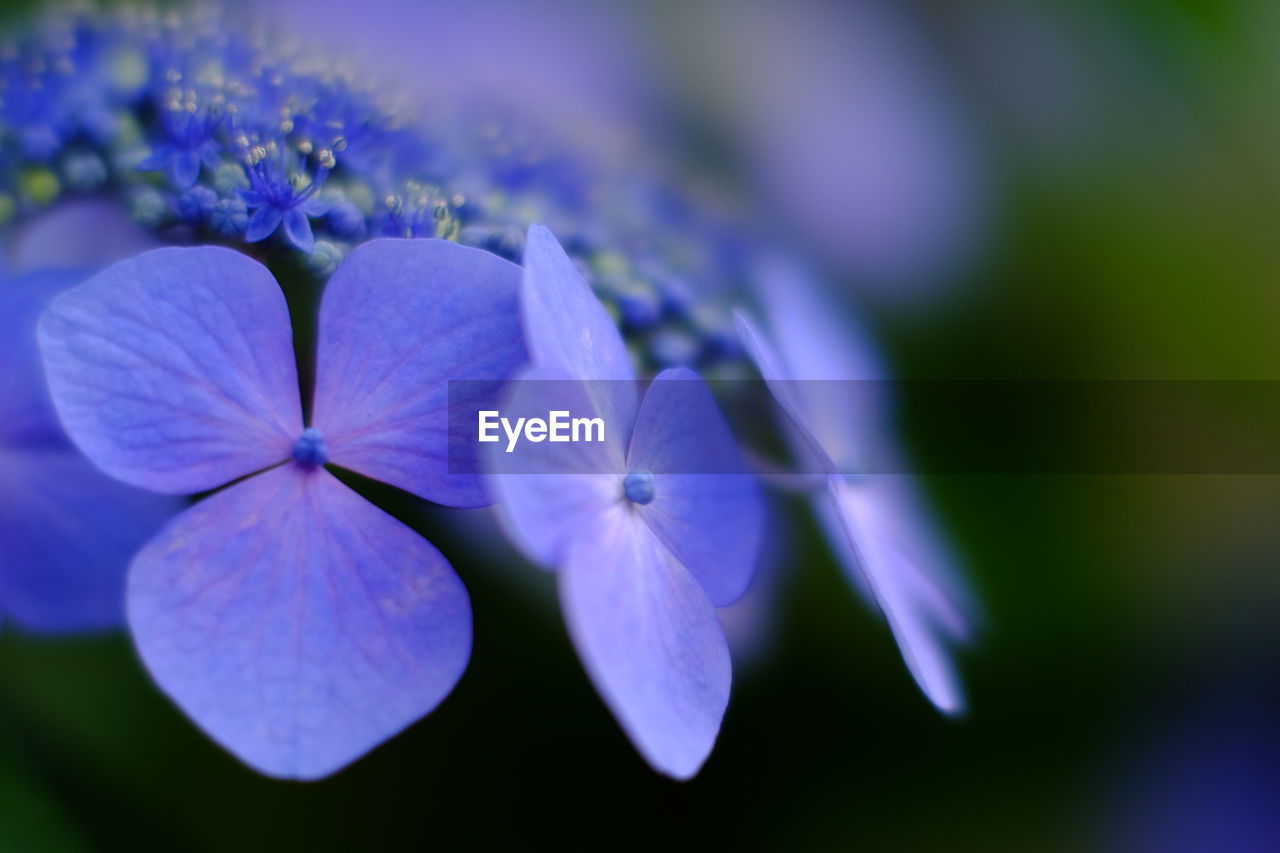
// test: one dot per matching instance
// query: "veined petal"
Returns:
(548, 493)
(706, 507)
(399, 319)
(566, 326)
(67, 533)
(296, 623)
(650, 641)
(917, 614)
(174, 370)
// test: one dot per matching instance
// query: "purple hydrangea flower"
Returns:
(280, 194)
(67, 531)
(645, 550)
(874, 522)
(191, 140)
(293, 621)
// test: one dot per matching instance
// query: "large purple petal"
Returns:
(296, 623)
(649, 640)
(566, 326)
(547, 494)
(917, 613)
(400, 318)
(706, 507)
(174, 370)
(67, 533)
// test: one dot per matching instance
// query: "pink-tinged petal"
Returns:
(67, 534)
(174, 370)
(650, 641)
(399, 320)
(918, 615)
(548, 493)
(706, 506)
(566, 326)
(296, 623)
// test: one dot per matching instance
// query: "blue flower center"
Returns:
(310, 449)
(638, 487)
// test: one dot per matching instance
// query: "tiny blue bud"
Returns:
(310, 450)
(228, 178)
(638, 487)
(229, 218)
(84, 172)
(149, 208)
(324, 258)
(196, 203)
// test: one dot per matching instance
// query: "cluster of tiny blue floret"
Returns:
(209, 134)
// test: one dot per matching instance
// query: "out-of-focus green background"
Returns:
(1125, 691)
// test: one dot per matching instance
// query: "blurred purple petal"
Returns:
(296, 623)
(78, 234)
(562, 61)
(566, 326)
(911, 607)
(29, 417)
(849, 120)
(175, 370)
(706, 508)
(67, 534)
(399, 319)
(787, 394)
(649, 640)
(876, 524)
(843, 387)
